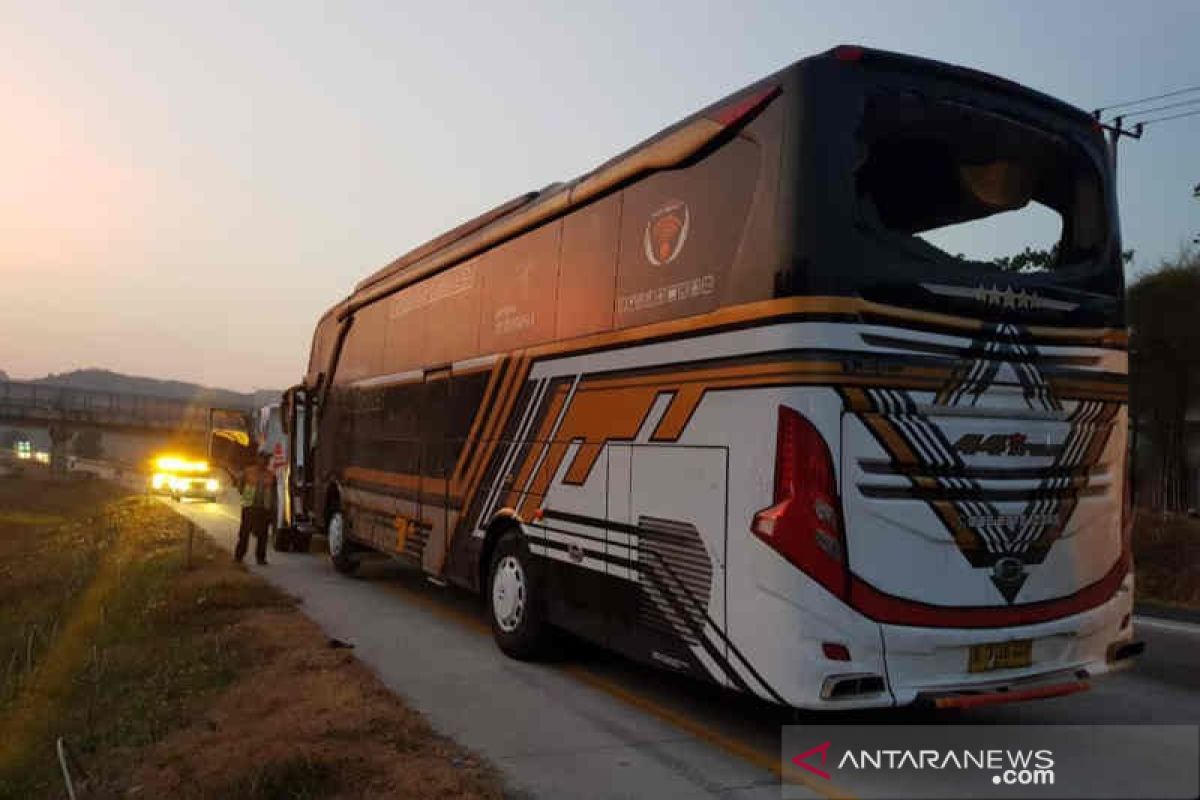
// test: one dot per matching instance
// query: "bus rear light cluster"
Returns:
(734, 114)
(835, 651)
(804, 524)
(848, 52)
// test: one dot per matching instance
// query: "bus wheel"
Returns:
(515, 599)
(339, 545)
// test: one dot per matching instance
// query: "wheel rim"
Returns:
(508, 594)
(336, 535)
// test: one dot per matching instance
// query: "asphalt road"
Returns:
(591, 724)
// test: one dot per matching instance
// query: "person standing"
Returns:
(258, 496)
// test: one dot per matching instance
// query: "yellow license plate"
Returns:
(1000, 655)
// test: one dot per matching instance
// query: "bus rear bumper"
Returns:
(931, 664)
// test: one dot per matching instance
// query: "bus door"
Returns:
(436, 465)
(667, 515)
(298, 425)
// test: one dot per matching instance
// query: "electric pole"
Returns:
(1116, 130)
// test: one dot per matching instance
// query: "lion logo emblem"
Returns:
(666, 233)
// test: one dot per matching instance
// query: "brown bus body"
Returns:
(417, 372)
(403, 410)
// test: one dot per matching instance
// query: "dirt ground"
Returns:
(308, 720)
(187, 678)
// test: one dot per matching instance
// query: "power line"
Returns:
(1128, 103)
(1170, 117)
(1180, 104)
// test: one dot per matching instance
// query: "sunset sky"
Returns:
(185, 186)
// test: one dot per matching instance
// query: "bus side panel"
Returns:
(668, 512)
(778, 616)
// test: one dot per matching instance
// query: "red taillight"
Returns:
(733, 114)
(835, 652)
(848, 52)
(804, 524)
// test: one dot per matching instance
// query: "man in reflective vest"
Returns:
(258, 501)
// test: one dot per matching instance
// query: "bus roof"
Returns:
(663, 150)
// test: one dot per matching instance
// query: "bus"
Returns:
(727, 404)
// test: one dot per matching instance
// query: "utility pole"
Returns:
(1196, 194)
(1116, 130)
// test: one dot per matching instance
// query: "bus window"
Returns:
(453, 314)
(679, 233)
(519, 280)
(435, 321)
(587, 275)
(963, 180)
(362, 352)
(407, 329)
(322, 344)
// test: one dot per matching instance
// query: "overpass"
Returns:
(64, 410)
(38, 404)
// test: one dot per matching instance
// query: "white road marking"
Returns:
(1189, 628)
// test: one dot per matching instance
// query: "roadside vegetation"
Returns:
(169, 675)
(1166, 555)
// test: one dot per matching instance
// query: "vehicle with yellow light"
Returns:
(182, 478)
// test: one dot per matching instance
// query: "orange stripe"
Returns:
(480, 416)
(677, 415)
(763, 310)
(396, 480)
(495, 418)
(511, 391)
(541, 480)
(537, 444)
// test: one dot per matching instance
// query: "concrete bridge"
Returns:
(66, 410)
(38, 404)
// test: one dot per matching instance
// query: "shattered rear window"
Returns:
(963, 183)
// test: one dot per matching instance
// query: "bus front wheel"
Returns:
(516, 600)
(339, 545)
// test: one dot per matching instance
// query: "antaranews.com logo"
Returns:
(1007, 767)
(982, 761)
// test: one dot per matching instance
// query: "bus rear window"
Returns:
(958, 182)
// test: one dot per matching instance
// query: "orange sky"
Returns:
(184, 188)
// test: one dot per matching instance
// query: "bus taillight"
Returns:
(804, 524)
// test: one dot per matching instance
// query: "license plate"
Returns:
(1000, 655)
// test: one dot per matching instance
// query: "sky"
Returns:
(185, 187)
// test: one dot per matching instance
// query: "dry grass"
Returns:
(184, 683)
(1166, 553)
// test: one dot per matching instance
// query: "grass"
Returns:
(85, 600)
(1166, 554)
(297, 778)
(183, 676)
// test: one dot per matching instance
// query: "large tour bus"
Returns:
(727, 403)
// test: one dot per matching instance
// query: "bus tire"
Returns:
(340, 547)
(516, 599)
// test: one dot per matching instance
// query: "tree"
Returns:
(1165, 373)
(1037, 260)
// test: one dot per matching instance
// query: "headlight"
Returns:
(211, 484)
(158, 480)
